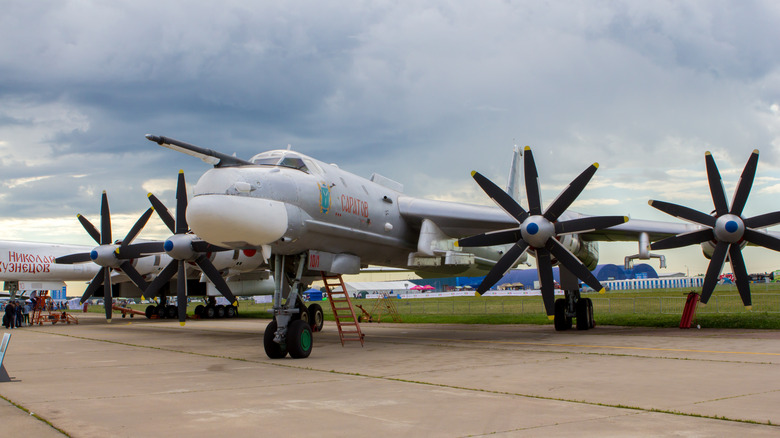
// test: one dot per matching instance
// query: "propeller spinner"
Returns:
(539, 230)
(727, 229)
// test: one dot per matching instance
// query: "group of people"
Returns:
(17, 314)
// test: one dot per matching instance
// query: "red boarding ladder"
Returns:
(346, 321)
(689, 311)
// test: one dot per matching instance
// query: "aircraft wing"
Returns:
(455, 219)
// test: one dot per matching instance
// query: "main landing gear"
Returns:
(293, 324)
(573, 306)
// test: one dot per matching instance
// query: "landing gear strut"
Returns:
(572, 305)
(290, 331)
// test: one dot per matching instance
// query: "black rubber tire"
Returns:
(562, 322)
(316, 317)
(149, 311)
(590, 312)
(583, 316)
(199, 309)
(160, 311)
(299, 339)
(230, 311)
(209, 312)
(171, 311)
(220, 311)
(272, 349)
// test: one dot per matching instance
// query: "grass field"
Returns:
(647, 308)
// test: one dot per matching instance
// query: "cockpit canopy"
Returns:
(288, 159)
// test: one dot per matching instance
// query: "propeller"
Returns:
(108, 255)
(539, 230)
(183, 247)
(726, 228)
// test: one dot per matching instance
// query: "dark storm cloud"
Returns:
(422, 92)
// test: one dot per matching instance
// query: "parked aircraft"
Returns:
(314, 217)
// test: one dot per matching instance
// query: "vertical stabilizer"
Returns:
(515, 175)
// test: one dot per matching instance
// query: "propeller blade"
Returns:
(685, 213)
(139, 224)
(764, 220)
(163, 212)
(588, 224)
(89, 227)
(740, 272)
(181, 292)
(203, 246)
(97, 280)
(73, 258)
(761, 239)
(744, 185)
(531, 183)
(716, 185)
(108, 299)
(713, 270)
(137, 278)
(570, 193)
(574, 265)
(105, 221)
(500, 197)
(492, 238)
(137, 250)
(694, 237)
(163, 277)
(546, 280)
(181, 205)
(503, 265)
(213, 274)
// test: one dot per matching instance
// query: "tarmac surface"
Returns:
(137, 377)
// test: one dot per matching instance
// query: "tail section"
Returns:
(514, 182)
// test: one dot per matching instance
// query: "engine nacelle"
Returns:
(708, 248)
(586, 251)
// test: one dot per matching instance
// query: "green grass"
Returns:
(639, 308)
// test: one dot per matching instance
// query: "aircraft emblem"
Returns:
(324, 197)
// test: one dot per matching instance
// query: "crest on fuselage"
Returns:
(324, 197)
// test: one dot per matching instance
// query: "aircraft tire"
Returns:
(171, 311)
(199, 309)
(160, 311)
(272, 349)
(220, 311)
(149, 311)
(230, 311)
(316, 317)
(562, 322)
(299, 339)
(583, 316)
(590, 312)
(209, 312)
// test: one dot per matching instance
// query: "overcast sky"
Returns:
(421, 91)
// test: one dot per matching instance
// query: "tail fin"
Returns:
(514, 182)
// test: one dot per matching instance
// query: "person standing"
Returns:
(10, 313)
(26, 313)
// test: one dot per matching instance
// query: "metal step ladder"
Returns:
(346, 321)
(385, 304)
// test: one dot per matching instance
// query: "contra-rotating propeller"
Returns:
(539, 231)
(109, 255)
(184, 247)
(727, 229)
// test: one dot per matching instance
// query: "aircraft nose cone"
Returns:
(237, 221)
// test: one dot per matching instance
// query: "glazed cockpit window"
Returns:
(281, 159)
